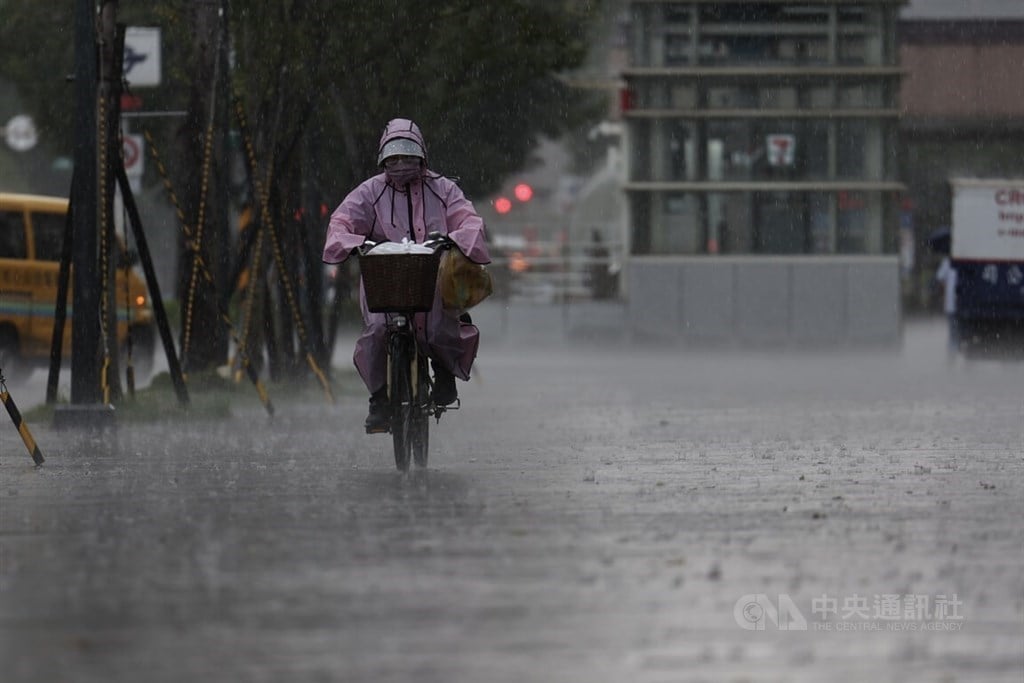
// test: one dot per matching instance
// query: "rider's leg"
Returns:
(370, 359)
(445, 392)
(378, 419)
(452, 342)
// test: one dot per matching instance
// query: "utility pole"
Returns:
(90, 396)
(85, 384)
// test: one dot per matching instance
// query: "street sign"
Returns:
(781, 150)
(130, 102)
(988, 220)
(20, 133)
(134, 162)
(142, 56)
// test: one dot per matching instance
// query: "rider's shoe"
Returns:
(379, 418)
(445, 392)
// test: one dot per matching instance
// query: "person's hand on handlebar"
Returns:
(365, 247)
(436, 241)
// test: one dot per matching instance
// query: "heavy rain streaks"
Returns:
(594, 511)
(720, 427)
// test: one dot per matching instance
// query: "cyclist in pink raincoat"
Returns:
(407, 200)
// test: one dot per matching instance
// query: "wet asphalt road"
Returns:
(591, 514)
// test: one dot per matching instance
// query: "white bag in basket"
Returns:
(403, 247)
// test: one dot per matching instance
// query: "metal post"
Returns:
(135, 218)
(61, 305)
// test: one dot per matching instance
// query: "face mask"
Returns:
(401, 172)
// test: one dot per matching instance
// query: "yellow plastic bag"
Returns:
(463, 283)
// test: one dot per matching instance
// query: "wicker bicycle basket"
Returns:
(399, 282)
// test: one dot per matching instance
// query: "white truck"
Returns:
(987, 250)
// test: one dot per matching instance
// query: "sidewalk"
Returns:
(597, 324)
(516, 322)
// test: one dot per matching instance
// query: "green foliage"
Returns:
(482, 79)
(37, 54)
(317, 81)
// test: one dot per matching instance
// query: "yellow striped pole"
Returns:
(19, 423)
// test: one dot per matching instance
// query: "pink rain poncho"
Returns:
(379, 211)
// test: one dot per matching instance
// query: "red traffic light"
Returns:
(502, 205)
(523, 192)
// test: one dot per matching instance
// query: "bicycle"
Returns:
(402, 285)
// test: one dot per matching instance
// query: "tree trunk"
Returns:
(109, 151)
(203, 250)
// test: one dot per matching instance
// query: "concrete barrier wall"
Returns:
(826, 301)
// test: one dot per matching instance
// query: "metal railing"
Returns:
(546, 273)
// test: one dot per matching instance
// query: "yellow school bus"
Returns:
(31, 238)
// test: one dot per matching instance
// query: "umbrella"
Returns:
(939, 240)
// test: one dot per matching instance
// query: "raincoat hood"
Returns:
(400, 129)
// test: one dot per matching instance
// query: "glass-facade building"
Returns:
(762, 127)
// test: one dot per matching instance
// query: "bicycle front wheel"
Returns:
(420, 432)
(402, 407)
